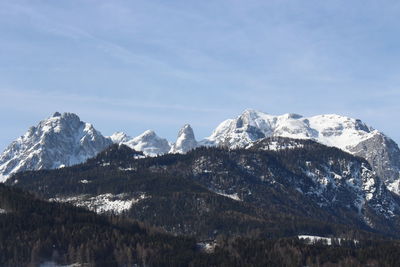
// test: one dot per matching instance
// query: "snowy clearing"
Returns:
(103, 203)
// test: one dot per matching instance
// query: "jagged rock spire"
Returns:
(186, 140)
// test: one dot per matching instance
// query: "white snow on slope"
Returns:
(148, 142)
(312, 239)
(332, 130)
(232, 196)
(274, 144)
(207, 246)
(103, 203)
(185, 141)
(119, 137)
(61, 140)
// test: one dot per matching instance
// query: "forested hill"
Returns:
(34, 232)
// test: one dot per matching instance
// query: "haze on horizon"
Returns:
(137, 65)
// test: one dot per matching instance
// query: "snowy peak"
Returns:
(57, 114)
(147, 135)
(185, 141)
(119, 137)
(251, 125)
(61, 140)
(148, 142)
(339, 131)
(186, 130)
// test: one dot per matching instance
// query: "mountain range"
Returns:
(64, 140)
(257, 183)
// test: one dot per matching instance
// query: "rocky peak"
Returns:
(60, 140)
(148, 135)
(383, 154)
(186, 140)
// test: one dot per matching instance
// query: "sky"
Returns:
(137, 65)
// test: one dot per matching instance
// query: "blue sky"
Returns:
(136, 65)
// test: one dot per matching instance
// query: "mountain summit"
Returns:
(251, 125)
(185, 141)
(148, 142)
(61, 140)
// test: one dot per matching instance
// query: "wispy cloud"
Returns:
(207, 60)
(57, 99)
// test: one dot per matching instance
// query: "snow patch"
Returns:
(103, 203)
(312, 239)
(127, 169)
(207, 246)
(394, 186)
(233, 196)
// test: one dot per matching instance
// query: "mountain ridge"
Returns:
(348, 134)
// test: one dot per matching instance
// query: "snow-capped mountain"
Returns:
(64, 140)
(61, 140)
(148, 142)
(185, 141)
(331, 130)
(152, 145)
(348, 134)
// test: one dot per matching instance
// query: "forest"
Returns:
(33, 231)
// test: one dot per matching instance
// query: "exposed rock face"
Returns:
(61, 140)
(384, 156)
(185, 141)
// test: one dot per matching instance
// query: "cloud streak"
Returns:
(152, 63)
